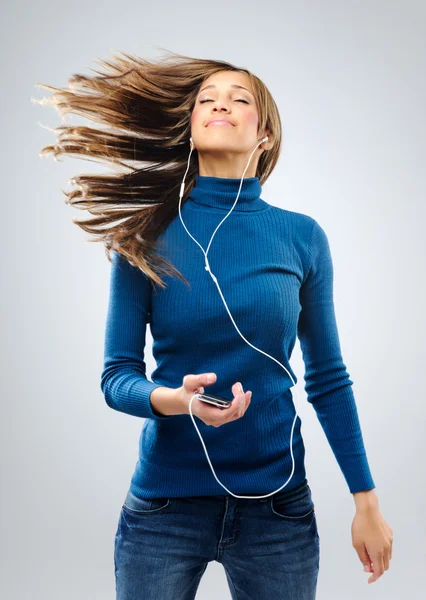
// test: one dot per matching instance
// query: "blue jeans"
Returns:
(268, 547)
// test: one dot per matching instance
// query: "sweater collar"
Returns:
(220, 192)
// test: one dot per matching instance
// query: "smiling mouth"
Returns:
(219, 122)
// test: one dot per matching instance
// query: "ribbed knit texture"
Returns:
(275, 270)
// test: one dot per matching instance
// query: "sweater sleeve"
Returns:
(123, 380)
(327, 382)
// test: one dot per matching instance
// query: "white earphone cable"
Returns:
(207, 267)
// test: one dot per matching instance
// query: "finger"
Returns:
(381, 564)
(236, 406)
(367, 567)
(245, 401)
(386, 561)
(237, 389)
(378, 569)
(388, 556)
(241, 405)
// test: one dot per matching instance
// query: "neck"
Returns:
(221, 192)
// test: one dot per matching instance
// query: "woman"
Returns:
(275, 270)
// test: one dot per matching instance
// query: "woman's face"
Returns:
(230, 143)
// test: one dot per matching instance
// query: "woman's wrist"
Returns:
(366, 499)
(167, 401)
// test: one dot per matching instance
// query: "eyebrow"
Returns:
(232, 86)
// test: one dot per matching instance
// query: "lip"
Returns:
(220, 121)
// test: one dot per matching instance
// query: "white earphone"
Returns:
(207, 267)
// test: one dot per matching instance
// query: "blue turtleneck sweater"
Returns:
(275, 271)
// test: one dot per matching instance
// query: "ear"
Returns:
(267, 145)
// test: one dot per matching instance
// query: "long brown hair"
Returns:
(146, 109)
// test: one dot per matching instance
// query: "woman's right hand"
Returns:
(209, 414)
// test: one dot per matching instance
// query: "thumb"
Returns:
(196, 382)
(209, 378)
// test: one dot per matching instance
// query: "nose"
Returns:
(220, 109)
(220, 105)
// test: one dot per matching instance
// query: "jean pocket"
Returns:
(141, 506)
(294, 504)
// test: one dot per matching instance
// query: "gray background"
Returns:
(349, 80)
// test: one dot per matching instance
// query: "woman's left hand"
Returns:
(372, 538)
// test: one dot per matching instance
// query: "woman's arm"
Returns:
(328, 386)
(123, 380)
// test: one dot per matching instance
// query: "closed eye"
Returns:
(239, 100)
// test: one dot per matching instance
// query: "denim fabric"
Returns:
(268, 547)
